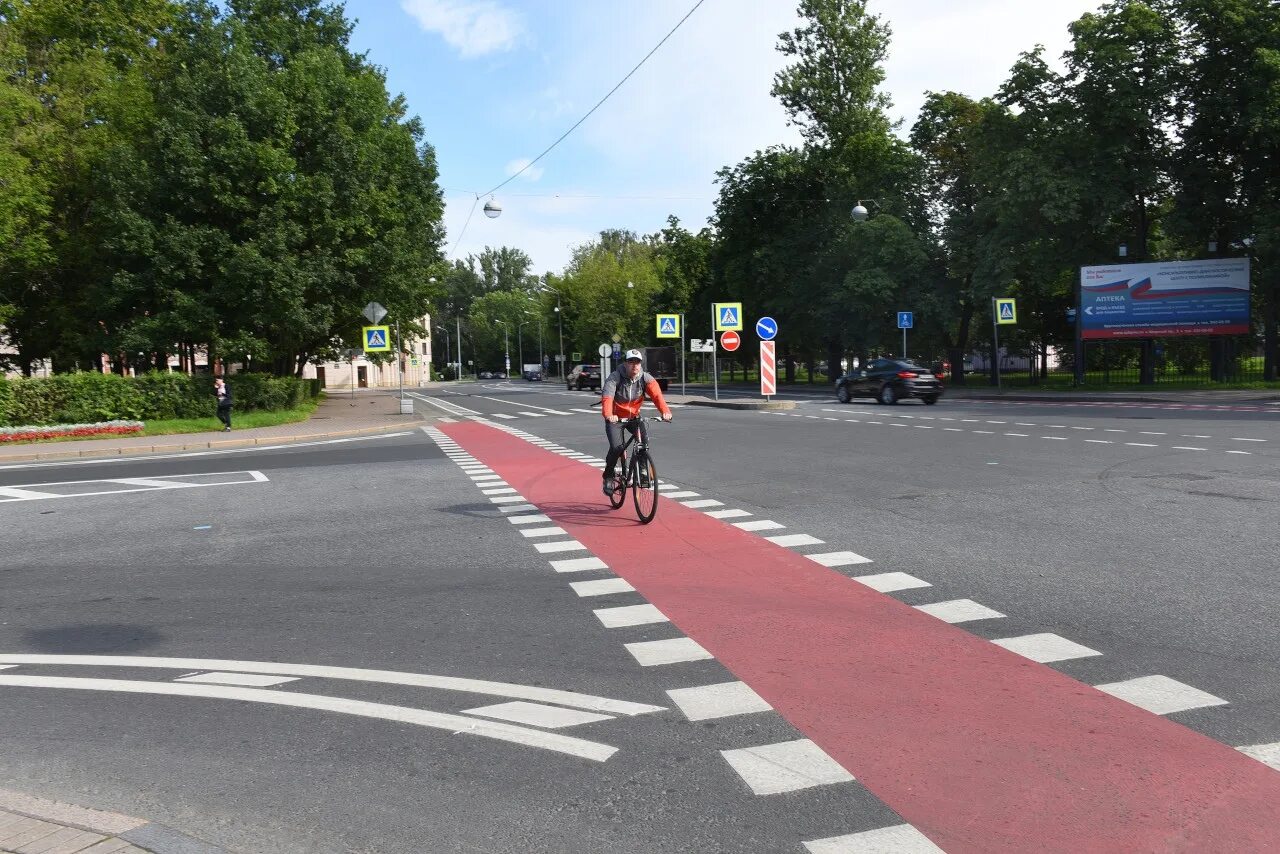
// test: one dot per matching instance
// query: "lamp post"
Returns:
(506, 344)
(447, 346)
(560, 323)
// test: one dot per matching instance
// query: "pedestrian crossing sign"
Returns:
(728, 316)
(377, 339)
(668, 326)
(1006, 310)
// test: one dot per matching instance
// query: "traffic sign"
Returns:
(698, 345)
(668, 325)
(767, 328)
(905, 320)
(577, 357)
(728, 315)
(730, 340)
(375, 312)
(1006, 310)
(768, 369)
(377, 339)
(604, 350)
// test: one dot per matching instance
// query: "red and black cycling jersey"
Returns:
(623, 395)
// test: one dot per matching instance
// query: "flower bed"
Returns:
(36, 433)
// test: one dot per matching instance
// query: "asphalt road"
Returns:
(1143, 534)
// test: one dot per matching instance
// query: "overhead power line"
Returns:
(601, 101)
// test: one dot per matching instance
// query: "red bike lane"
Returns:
(979, 748)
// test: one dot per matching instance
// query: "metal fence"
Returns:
(1175, 362)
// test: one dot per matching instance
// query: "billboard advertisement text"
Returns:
(1163, 299)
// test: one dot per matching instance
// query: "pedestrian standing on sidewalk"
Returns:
(223, 392)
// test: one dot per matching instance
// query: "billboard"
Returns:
(1168, 298)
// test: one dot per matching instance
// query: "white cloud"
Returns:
(532, 173)
(474, 27)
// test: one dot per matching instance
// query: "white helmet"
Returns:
(634, 354)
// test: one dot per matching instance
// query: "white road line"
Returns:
(420, 717)
(959, 611)
(1268, 754)
(723, 700)
(727, 514)
(578, 564)
(672, 651)
(534, 414)
(504, 416)
(794, 540)
(449, 407)
(1244, 453)
(1019, 435)
(953, 429)
(533, 714)
(562, 546)
(1141, 445)
(507, 499)
(1055, 438)
(1045, 647)
(1160, 694)
(630, 615)
(890, 582)
(518, 508)
(1185, 448)
(677, 494)
(899, 839)
(1152, 433)
(701, 503)
(349, 674)
(785, 767)
(501, 490)
(601, 587)
(759, 525)
(986, 432)
(833, 559)
(1238, 439)
(1100, 441)
(243, 680)
(526, 520)
(1193, 436)
(38, 491)
(553, 531)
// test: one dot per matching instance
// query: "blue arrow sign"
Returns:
(767, 328)
(905, 320)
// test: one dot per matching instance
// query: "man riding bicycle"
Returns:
(621, 397)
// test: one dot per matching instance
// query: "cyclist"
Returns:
(621, 397)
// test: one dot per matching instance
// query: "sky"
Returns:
(497, 81)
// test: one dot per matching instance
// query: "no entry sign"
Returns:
(730, 340)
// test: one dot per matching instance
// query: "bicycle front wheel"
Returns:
(644, 487)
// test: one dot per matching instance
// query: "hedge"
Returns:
(84, 398)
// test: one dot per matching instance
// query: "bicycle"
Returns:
(638, 472)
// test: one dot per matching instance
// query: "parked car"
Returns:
(583, 376)
(486, 375)
(533, 375)
(888, 381)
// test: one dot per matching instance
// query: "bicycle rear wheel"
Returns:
(619, 494)
(644, 487)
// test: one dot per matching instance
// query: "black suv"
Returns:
(583, 376)
(888, 381)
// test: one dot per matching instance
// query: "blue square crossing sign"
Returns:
(377, 339)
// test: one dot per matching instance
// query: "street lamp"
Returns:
(860, 212)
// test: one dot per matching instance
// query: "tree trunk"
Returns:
(1271, 334)
(956, 354)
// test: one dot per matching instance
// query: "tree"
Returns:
(1228, 162)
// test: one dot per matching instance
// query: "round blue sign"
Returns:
(767, 328)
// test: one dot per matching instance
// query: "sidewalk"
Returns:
(30, 825)
(337, 416)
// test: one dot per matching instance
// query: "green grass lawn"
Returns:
(239, 421)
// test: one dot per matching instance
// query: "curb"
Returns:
(138, 832)
(743, 404)
(198, 446)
